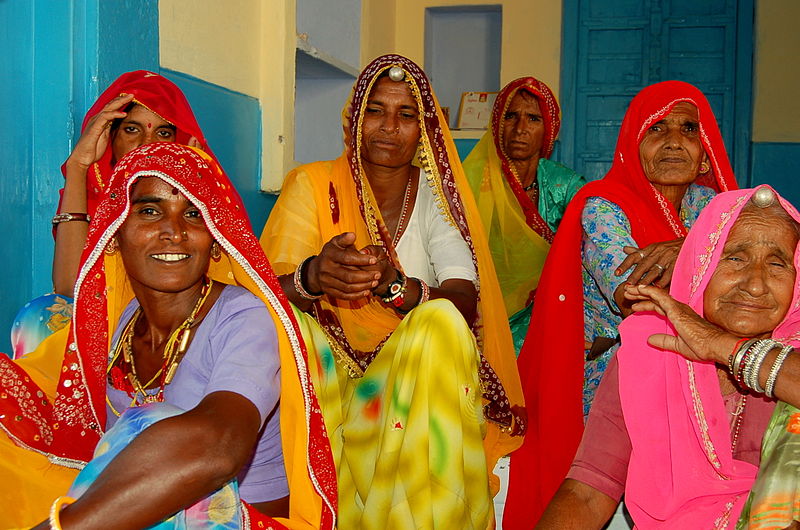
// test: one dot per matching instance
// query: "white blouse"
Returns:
(430, 248)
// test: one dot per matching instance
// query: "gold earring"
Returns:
(216, 251)
(112, 247)
(704, 168)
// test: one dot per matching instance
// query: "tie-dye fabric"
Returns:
(407, 436)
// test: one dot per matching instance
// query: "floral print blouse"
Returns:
(606, 230)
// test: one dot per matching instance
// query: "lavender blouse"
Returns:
(234, 349)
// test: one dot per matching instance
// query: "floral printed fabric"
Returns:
(606, 230)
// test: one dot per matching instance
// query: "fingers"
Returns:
(664, 341)
(633, 259)
(111, 111)
(341, 251)
(118, 102)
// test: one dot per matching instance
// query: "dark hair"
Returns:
(118, 121)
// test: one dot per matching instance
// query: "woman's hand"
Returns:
(384, 267)
(652, 264)
(340, 270)
(94, 140)
(697, 340)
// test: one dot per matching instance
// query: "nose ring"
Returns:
(184, 234)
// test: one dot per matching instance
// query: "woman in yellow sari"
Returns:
(385, 258)
(521, 193)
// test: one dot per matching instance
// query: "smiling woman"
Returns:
(681, 433)
(176, 284)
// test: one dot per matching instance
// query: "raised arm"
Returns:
(169, 466)
(700, 340)
(71, 235)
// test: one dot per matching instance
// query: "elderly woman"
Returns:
(521, 194)
(386, 259)
(175, 303)
(669, 162)
(138, 108)
(682, 434)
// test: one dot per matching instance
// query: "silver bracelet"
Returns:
(754, 366)
(777, 364)
(735, 362)
(298, 281)
(66, 217)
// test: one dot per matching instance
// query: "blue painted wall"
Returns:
(231, 123)
(777, 164)
(59, 56)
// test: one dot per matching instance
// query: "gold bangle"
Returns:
(55, 510)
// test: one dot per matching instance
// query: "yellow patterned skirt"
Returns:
(407, 437)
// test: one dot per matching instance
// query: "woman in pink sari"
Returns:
(681, 434)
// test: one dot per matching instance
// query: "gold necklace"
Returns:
(174, 351)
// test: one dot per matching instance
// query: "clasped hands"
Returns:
(345, 272)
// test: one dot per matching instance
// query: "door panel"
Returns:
(614, 48)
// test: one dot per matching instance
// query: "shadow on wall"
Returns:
(231, 122)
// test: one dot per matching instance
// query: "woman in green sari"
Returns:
(521, 194)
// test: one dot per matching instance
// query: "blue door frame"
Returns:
(738, 141)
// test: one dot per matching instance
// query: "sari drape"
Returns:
(682, 473)
(519, 232)
(324, 199)
(552, 359)
(49, 313)
(53, 401)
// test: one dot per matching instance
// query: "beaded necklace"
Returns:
(122, 368)
(739, 415)
(403, 212)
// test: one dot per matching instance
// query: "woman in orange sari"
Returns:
(385, 257)
(172, 265)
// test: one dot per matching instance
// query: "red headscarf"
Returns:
(551, 115)
(552, 359)
(68, 428)
(157, 94)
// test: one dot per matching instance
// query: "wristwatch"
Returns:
(396, 293)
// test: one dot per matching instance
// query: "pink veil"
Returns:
(682, 473)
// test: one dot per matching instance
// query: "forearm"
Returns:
(787, 384)
(287, 284)
(577, 506)
(465, 300)
(70, 236)
(169, 466)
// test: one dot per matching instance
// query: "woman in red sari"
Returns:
(669, 162)
(138, 108)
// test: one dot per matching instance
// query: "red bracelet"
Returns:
(733, 352)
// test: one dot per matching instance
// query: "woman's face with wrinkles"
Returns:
(670, 151)
(751, 289)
